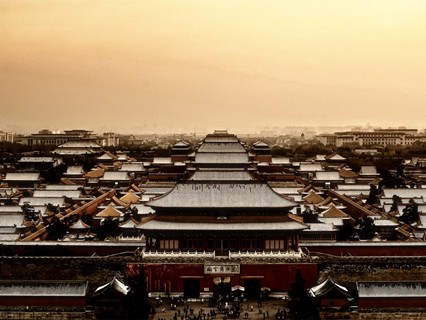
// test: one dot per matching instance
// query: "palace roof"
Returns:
(221, 176)
(221, 158)
(222, 147)
(22, 176)
(392, 289)
(155, 225)
(43, 288)
(221, 195)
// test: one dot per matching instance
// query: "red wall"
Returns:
(43, 301)
(275, 276)
(368, 250)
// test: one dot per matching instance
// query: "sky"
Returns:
(139, 66)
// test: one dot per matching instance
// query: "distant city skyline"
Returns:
(195, 66)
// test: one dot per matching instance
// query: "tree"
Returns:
(109, 228)
(410, 213)
(30, 214)
(395, 200)
(372, 197)
(367, 229)
(57, 229)
(131, 213)
(138, 297)
(309, 216)
(300, 304)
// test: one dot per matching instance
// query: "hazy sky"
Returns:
(141, 65)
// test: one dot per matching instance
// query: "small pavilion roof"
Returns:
(313, 198)
(97, 173)
(334, 212)
(114, 285)
(129, 198)
(329, 287)
(109, 211)
(79, 225)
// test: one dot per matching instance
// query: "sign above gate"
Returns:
(222, 268)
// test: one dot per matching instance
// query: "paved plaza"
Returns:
(250, 309)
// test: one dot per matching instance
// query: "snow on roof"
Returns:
(79, 225)
(280, 160)
(42, 288)
(57, 193)
(244, 226)
(39, 201)
(384, 223)
(310, 167)
(322, 227)
(353, 187)
(368, 171)
(327, 176)
(22, 176)
(73, 151)
(221, 176)
(143, 209)
(155, 190)
(353, 193)
(338, 222)
(107, 156)
(129, 224)
(405, 193)
(132, 167)
(222, 195)
(327, 286)
(115, 176)
(222, 147)
(287, 190)
(221, 157)
(62, 187)
(9, 237)
(392, 289)
(36, 159)
(116, 285)
(221, 139)
(80, 144)
(74, 170)
(11, 220)
(10, 209)
(162, 160)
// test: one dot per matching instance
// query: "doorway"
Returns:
(252, 288)
(221, 286)
(191, 288)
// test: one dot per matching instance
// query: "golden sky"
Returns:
(142, 65)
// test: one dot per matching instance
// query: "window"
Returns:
(274, 245)
(169, 244)
(193, 244)
(250, 244)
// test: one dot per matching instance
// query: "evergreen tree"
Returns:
(372, 197)
(300, 304)
(367, 229)
(410, 213)
(138, 303)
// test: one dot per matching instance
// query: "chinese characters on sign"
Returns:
(221, 268)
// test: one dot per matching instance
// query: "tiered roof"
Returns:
(221, 195)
